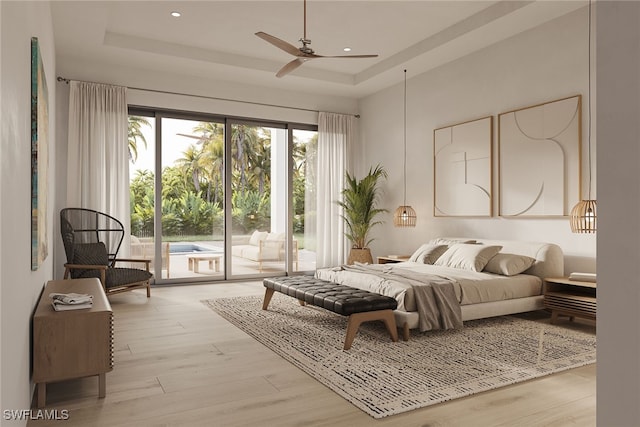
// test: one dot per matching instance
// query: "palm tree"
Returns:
(213, 162)
(135, 134)
(260, 166)
(244, 141)
(211, 140)
(191, 165)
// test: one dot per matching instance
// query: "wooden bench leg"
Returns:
(356, 319)
(390, 322)
(405, 331)
(268, 293)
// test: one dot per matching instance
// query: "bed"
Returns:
(488, 277)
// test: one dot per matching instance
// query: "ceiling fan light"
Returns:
(583, 218)
(404, 216)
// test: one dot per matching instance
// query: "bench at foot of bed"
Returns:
(360, 306)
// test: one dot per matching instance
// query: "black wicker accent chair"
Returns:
(92, 240)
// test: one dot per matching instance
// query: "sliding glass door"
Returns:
(192, 198)
(205, 218)
(258, 199)
(304, 175)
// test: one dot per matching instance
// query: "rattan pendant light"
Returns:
(583, 215)
(405, 216)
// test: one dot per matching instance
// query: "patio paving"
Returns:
(179, 264)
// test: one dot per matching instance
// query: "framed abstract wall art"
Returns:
(39, 157)
(539, 157)
(463, 169)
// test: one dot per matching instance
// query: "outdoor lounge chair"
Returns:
(91, 242)
(144, 248)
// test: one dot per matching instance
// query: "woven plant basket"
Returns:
(360, 255)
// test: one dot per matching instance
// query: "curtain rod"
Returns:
(263, 104)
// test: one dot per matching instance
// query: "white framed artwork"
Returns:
(539, 159)
(462, 172)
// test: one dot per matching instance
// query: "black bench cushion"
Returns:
(340, 299)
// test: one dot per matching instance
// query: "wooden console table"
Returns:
(74, 343)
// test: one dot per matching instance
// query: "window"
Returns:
(215, 219)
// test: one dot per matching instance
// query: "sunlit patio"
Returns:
(206, 259)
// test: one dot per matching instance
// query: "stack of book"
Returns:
(72, 301)
(583, 277)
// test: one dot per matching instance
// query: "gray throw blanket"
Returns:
(436, 301)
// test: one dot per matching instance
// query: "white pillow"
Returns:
(467, 256)
(428, 253)
(257, 236)
(509, 264)
(275, 237)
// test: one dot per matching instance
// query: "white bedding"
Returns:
(471, 287)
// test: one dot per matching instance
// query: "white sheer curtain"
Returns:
(336, 133)
(98, 152)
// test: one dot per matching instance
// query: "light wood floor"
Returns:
(180, 364)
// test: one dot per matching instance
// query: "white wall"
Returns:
(19, 286)
(543, 64)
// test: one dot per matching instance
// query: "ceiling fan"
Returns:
(302, 54)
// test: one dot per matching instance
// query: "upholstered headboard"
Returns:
(549, 256)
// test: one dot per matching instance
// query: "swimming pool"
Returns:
(190, 248)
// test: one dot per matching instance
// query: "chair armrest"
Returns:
(147, 262)
(103, 271)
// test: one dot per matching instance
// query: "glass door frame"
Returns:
(228, 121)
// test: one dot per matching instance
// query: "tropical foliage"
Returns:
(193, 187)
(135, 135)
(359, 200)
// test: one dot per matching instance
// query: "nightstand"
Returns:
(570, 298)
(392, 259)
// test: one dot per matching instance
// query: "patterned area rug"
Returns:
(384, 378)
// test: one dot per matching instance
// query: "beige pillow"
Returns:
(509, 264)
(257, 236)
(428, 253)
(467, 256)
(275, 237)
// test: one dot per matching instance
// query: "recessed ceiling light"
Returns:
(347, 49)
(176, 14)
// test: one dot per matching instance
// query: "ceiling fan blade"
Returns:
(201, 138)
(281, 44)
(348, 56)
(291, 66)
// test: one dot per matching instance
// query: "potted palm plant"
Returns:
(359, 200)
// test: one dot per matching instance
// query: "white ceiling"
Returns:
(215, 39)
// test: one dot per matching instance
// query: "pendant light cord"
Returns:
(404, 168)
(589, 102)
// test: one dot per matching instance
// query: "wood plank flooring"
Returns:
(178, 363)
